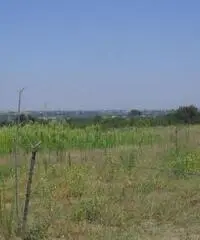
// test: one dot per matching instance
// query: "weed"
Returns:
(5, 171)
(37, 231)
(128, 161)
(87, 209)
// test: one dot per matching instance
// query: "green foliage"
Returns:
(37, 231)
(59, 137)
(182, 115)
(5, 171)
(87, 209)
(75, 177)
(183, 162)
(97, 119)
(128, 161)
(135, 113)
(187, 114)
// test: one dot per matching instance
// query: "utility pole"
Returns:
(16, 156)
(19, 105)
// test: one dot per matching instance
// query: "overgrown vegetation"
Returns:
(127, 183)
(59, 137)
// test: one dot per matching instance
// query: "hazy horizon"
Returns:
(88, 55)
(90, 110)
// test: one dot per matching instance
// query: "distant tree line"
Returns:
(182, 115)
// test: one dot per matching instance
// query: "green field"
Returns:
(137, 183)
(60, 137)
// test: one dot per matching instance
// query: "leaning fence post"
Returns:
(28, 189)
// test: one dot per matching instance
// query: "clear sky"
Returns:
(92, 54)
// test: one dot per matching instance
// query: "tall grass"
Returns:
(62, 137)
(109, 185)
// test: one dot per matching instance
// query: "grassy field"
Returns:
(59, 137)
(88, 184)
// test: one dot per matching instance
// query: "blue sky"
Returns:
(100, 54)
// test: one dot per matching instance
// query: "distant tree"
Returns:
(25, 118)
(97, 119)
(187, 114)
(68, 120)
(3, 123)
(134, 113)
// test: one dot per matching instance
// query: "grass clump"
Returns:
(88, 210)
(184, 163)
(6, 171)
(37, 231)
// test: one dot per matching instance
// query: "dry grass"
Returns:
(108, 194)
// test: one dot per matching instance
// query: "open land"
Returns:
(137, 183)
